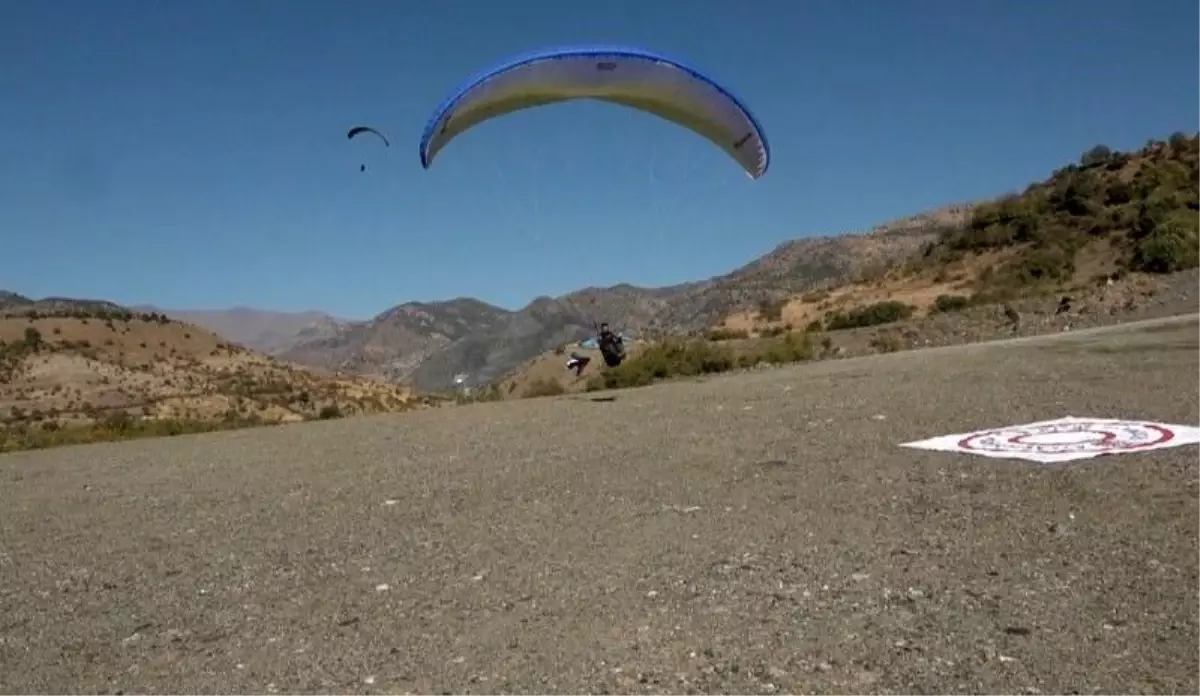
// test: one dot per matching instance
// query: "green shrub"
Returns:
(884, 312)
(1097, 155)
(542, 387)
(887, 342)
(951, 303)
(1149, 197)
(788, 349)
(33, 338)
(724, 334)
(117, 426)
(680, 358)
(1173, 245)
(673, 358)
(1045, 263)
(771, 309)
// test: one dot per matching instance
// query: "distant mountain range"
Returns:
(262, 330)
(1037, 233)
(14, 303)
(1105, 230)
(428, 343)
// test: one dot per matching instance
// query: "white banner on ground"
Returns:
(1064, 440)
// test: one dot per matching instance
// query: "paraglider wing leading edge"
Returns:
(628, 76)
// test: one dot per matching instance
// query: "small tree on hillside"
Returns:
(1097, 155)
(771, 309)
(33, 337)
(1173, 245)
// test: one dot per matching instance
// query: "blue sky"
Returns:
(192, 154)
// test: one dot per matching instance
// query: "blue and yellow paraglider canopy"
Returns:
(631, 77)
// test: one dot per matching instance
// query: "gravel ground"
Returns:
(754, 533)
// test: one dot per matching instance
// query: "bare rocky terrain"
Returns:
(76, 370)
(761, 532)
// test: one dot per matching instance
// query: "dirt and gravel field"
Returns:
(756, 533)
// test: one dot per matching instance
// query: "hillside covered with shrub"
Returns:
(1136, 210)
(1109, 217)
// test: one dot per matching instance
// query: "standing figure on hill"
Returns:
(1013, 317)
(612, 348)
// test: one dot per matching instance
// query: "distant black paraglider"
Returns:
(366, 129)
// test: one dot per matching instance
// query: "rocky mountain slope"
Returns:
(484, 342)
(257, 329)
(395, 343)
(1111, 238)
(75, 370)
(1092, 217)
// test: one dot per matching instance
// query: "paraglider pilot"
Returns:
(612, 348)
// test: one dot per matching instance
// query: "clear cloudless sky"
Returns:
(193, 154)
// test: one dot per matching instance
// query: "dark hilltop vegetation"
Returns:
(1130, 211)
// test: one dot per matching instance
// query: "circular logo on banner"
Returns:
(1075, 437)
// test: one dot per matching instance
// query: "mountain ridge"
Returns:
(1055, 230)
(267, 331)
(1107, 212)
(426, 343)
(506, 338)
